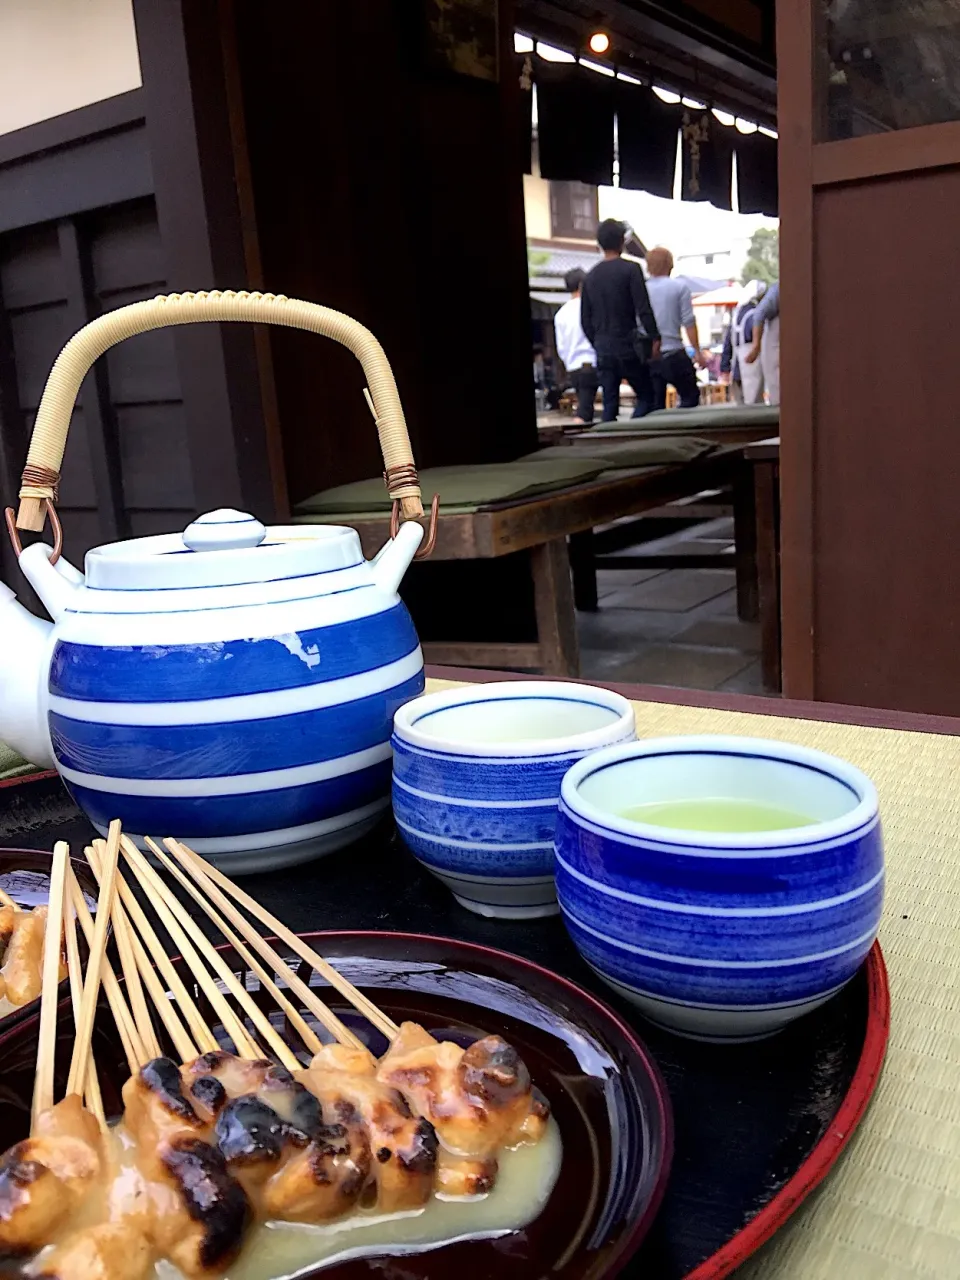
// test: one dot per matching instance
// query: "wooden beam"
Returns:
(106, 169)
(929, 146)
(667, 560)
(523, 657)
(118, 112)
(94, 396)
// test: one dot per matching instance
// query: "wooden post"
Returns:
(767, 502)
(205, 237)
(745, 543)
(556, 616)
(584, 569)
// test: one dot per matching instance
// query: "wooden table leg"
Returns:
(556, 616)
(745, 542)
(584, 569)
(767, 502)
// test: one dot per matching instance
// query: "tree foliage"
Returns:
(763, 258)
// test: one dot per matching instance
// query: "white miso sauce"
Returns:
(280, 1250)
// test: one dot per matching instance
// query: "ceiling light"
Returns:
(550, 53)
(599, 42)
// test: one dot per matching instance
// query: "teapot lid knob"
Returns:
(224, 530)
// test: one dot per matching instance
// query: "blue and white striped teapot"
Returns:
(233, 685)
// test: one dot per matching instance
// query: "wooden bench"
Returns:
(542, 526)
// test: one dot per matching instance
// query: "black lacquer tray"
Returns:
(757, 1127)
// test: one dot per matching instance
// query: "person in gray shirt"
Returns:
(673, 308)
(766, 341)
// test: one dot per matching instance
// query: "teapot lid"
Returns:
(222, 548)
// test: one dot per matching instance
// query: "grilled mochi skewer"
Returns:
(477, 1100)
(21, 952)
(176, 1199)
(303, 1153)
(47, 1177)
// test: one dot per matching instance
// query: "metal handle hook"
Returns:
(427, 546)
(55, 525)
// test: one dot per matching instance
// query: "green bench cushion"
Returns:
(13, 765)
(715, 417)
(462, 489)
(614, 454)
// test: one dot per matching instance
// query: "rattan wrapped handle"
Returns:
(42, 472)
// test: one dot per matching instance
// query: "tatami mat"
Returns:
(891, 1208)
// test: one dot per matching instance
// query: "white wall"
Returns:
(536, 205)
(57, 55)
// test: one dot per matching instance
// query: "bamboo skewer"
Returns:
(346, 988)
(303, 1029)
(7, 901)
(145, 971)
(129, 1037)
(184, 1046)
(98, 947)
(182, 998)
(309, 997)
(151, 882)
(50, 983)
(260, 1020)
(91, 1090)
(131, 972)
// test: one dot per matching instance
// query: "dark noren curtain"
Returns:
(575, 123)
(757, 182)
(647, 130)
(707, 159)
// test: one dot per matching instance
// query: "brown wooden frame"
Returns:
(930, 146)
(795, 76)
(806, 166)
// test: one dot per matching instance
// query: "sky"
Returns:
(684, 226)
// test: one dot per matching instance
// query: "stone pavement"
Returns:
(673, 626)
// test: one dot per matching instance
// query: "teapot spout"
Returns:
(392, 560)
(25, 644)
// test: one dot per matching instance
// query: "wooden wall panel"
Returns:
(125, 249)
(139, 422)
(887, 445)
(154, 457)
(30, 273)
(39, 332)
(144, 524)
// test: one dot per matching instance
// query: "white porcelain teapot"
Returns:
(233, 685)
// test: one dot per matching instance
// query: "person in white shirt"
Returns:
(578, 356)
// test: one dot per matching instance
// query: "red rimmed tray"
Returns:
(828, 1149)
(758, 1126)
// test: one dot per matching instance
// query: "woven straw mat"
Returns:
(891, 1207)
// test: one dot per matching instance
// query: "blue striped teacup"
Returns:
(728, 935)
(476, 777)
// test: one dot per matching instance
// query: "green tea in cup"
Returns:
(716, 814)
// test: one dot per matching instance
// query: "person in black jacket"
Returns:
(618, 320)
